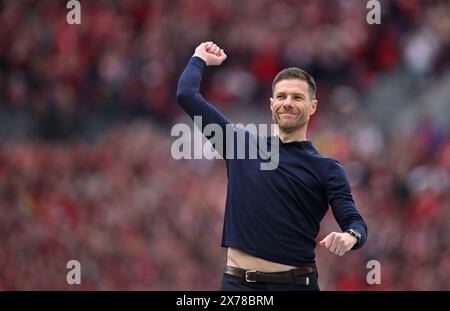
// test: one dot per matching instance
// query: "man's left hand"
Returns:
(339, 243)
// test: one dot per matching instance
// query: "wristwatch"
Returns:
(356, 234)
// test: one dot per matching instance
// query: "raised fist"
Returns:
(210, 53)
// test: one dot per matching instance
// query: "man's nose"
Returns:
(288, 104)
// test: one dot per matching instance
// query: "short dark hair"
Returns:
(296, 73)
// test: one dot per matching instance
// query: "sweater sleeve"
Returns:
(342, 204)
(212, 121)
(190, 99)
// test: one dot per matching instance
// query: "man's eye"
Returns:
(298, 98)
(280, 97)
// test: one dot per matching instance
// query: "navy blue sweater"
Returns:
(275, 214)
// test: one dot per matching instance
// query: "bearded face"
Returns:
(291, 105)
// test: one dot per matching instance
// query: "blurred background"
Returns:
(86, 111)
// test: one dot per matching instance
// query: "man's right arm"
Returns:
(188, 92)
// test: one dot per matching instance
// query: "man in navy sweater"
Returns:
(272, 217)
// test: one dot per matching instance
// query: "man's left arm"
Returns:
(354, 229)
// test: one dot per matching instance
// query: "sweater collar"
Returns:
(305, 145)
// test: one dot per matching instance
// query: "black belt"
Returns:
(293, 276)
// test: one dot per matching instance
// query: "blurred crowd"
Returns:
(134, 217)
(85, 114)
(59, 80)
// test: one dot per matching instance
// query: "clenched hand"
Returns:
(211, 53)
(338, 243)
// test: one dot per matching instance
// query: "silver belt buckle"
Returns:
(246, 276)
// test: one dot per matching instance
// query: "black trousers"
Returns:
(234, 283)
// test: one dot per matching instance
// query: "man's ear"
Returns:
(314, 103)
(271, 103)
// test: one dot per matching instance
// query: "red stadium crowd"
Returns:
(137, 219)
(125, 57)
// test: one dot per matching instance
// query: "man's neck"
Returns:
(297, 135)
